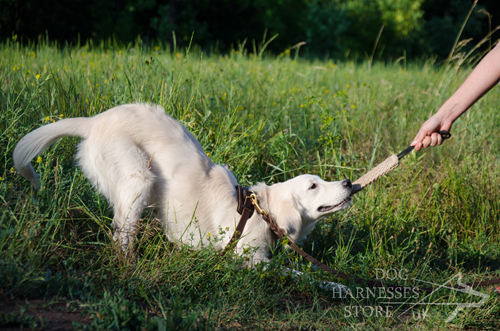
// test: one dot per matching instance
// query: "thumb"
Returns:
(419, 137)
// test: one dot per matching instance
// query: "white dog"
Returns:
(138, 156)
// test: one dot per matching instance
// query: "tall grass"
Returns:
(269, 119)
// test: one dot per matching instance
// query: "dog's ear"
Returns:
(279, 203)
(288, 218)
(261, 190)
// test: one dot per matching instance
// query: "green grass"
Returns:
(269, 119)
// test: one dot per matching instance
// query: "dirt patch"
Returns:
(49, 315)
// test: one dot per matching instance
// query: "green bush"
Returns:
(334, 28)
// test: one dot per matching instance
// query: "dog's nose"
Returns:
(347, 183)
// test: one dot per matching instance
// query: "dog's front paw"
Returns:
(125, 237)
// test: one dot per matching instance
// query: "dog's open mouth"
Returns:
(324, 209)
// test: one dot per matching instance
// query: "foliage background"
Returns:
(334, 28)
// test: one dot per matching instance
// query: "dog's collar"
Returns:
(245, 208)
(244, 196)
(247, 204)
(243, 193)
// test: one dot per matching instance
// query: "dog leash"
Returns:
(248, 203)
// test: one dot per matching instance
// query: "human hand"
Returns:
(428, 134)
(480, 81)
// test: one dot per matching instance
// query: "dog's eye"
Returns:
(313, 186)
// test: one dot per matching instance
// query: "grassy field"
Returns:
(269, 119)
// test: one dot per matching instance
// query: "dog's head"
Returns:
(299, 203)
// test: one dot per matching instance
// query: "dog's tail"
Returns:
(37, 141)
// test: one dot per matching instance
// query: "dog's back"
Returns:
(136, 155)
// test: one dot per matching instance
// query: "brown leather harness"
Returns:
(248, 203)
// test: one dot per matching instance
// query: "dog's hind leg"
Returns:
(128, 206)
(120, 170)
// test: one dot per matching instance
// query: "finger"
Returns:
(418, 146)
(440, 139)
(422, 133)
(434, 139)
(426, 142)
(418, 138)
(426, 130)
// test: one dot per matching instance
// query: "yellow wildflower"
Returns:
(12, 169)
(218, 267)
(47, 118)
(38, 76)
(39, 159)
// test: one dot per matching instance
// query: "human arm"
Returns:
(480, 81)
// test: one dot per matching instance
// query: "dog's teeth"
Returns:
(327, 208)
